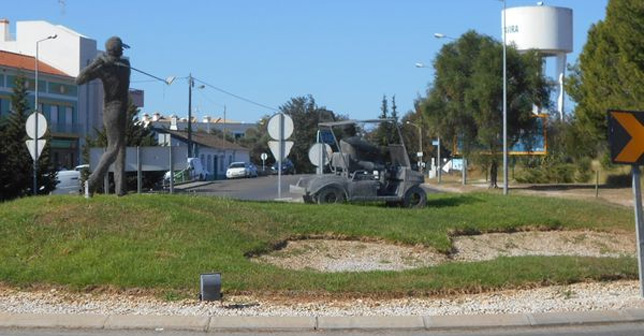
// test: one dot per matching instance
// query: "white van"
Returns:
(67, 182)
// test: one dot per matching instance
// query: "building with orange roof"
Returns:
(73, 112)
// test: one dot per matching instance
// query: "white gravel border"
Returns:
(573, 298)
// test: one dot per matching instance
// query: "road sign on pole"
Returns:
(36, 126)
(280, 128)
(31, 146)
(626, 139)
(626, 136)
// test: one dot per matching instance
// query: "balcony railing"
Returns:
(60, 128)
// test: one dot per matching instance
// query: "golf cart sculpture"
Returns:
(361, 170)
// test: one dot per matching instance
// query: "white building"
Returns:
(72, 111)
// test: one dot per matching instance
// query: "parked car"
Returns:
(287, 167)
(194, 171)
(67, 182)
(241, 169)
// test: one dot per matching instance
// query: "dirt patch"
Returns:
(328, 255)
(551, 243)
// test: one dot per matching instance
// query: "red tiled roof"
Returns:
(19, 61)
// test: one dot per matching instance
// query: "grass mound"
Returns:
(163, 242)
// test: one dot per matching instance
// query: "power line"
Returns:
(236, 96)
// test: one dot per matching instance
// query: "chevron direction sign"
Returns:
(626, 136)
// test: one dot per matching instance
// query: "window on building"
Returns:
(53, 114)
(69, 115)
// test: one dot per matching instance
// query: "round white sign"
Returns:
(320, 152)
(264, 156)
(30, 126)
(274, 126)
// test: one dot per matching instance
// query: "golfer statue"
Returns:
(114, 72)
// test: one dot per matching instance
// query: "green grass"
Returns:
(163, 242)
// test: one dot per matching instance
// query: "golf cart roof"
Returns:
(353, 122)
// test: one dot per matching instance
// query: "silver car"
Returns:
(241, 169)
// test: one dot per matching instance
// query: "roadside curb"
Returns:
(294, 323)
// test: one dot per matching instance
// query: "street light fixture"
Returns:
(441, 35)
(35, 165)
(419, 155)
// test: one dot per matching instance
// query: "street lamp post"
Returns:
(505, 107)
(419, 155)
(35, 184)
(440, 165)
(191, 84)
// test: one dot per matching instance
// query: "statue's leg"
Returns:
(96, 178)
(120, 187)
(114, 132)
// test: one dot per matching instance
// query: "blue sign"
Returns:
(535, 144)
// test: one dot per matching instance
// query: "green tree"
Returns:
(386, 133)
(306, 115)
(609, 73)
(466, 98)
(256, 140)
(16, 168)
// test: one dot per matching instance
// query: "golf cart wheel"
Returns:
(415, 197)
(330, 195)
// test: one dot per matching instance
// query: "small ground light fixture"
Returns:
(210, 287)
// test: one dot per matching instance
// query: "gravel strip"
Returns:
(577, 297)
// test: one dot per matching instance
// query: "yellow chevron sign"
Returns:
(626, 136)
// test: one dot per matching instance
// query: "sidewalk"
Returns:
(621, 196)
(245, 323)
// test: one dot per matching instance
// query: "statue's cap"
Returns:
(115, 41)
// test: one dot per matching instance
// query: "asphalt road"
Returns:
(621, 329)
(263, 188)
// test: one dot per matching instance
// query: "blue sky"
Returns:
(346, 53)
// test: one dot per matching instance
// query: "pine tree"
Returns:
(394, 112)
(384, 110)
(17, 165)
(384, 130)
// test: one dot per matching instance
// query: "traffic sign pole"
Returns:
(281, 155)
(639, 226)
(280, 128)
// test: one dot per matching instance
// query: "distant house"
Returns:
(215, 153)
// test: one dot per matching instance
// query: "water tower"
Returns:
(545, 29)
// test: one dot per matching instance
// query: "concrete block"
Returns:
(156, 322)
(79, 321)
(569, 318)
(476, 321)
(370, 322)
(262, 323)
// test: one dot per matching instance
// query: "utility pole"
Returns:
(190, 84)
